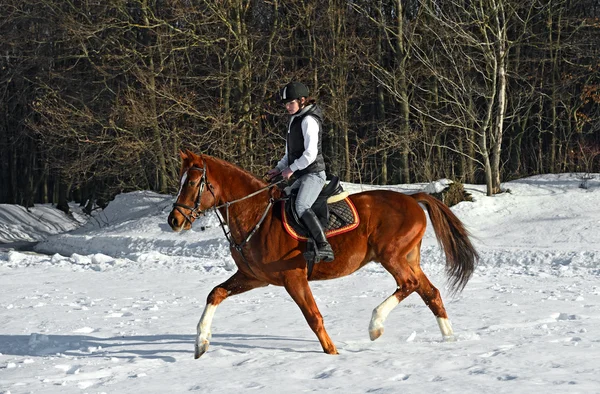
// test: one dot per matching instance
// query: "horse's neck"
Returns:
(238, 192)
(234, 185)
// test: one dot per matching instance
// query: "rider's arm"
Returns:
(283, 163)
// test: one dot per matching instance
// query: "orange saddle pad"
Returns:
(343, 217)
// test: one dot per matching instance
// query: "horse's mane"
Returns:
(239, 169)
(255, 180)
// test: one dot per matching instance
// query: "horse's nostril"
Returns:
(172, 221)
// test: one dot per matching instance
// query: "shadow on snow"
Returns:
(162, 347)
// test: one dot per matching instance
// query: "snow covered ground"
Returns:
(111, 306)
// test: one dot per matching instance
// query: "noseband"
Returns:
(195, 212)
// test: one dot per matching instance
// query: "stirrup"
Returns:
(313, 254)
(325, 253)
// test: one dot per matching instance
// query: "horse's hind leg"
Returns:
(431, 296)
(406, 281)
(297, 287)
(236, 284)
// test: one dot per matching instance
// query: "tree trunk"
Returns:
(63, 193)
(161, 162)
(499, 126)
(380, 100)
(403, 90)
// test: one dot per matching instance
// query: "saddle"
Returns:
(335, 211)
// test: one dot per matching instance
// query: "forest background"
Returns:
(97, 97)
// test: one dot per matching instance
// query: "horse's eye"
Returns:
(193, 183)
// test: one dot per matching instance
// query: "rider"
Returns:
(304, 158)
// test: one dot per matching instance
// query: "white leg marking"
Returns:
(379, 315)
(205, 322)
(446, 329)
(203, 329)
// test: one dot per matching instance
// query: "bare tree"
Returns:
(470, 66)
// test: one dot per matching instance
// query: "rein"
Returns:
(195, 212)
(228, 235)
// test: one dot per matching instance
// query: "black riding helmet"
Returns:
(293, 91)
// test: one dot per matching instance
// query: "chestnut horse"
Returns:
(391, 227)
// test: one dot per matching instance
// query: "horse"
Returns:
(390, 232)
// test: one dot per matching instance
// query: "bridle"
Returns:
(195, 212)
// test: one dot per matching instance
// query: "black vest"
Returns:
(295, 141)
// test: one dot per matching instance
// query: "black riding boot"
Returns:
(315, 229)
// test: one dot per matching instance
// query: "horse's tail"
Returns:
(461, 256)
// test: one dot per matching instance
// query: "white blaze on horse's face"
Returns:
(183, 179)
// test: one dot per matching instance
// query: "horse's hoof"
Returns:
(375, 333)
(200, 349)
(449, 338)
(332, 352)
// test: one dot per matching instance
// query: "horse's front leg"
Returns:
(237, 284)
(297, 287)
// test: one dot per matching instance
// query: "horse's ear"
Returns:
(191, 155)
(183, 155)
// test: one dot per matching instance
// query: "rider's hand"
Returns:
(272, 173)
(287, 173)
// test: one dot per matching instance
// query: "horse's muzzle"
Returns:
(178, 222)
